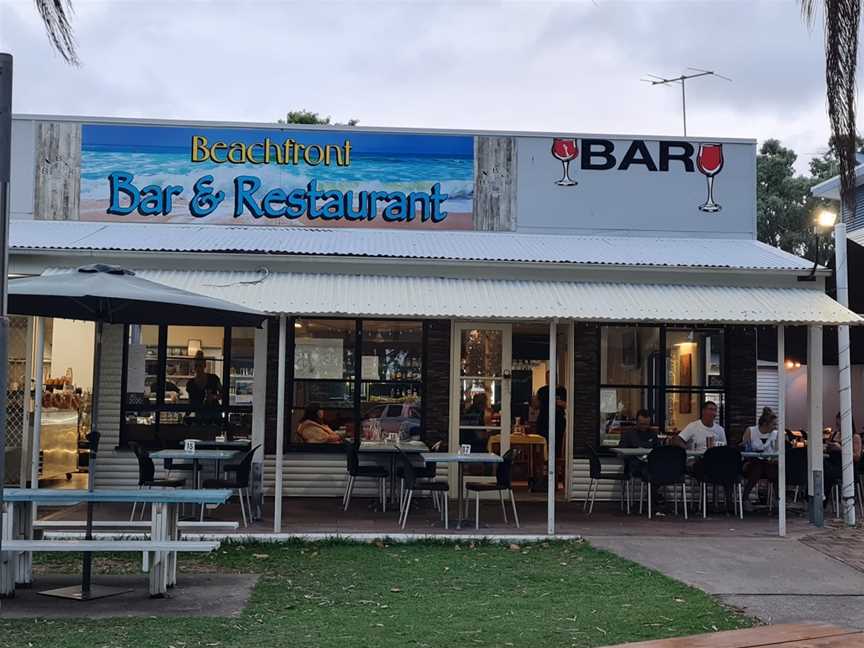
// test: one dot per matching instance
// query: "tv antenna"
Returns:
(658, 80)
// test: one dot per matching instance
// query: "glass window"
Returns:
(176, 383)
(366, 377)
(618, 408)
(194, 367)
(671, 385)
(142, 366)
(242, 362)
(481, 352)
(694, 359)
(630, 355)
(324, 349)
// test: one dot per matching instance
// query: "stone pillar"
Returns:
(740, 375)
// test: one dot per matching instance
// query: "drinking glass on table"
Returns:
(709, 442)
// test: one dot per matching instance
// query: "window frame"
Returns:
(357, 379)
(662, 389)
(160, 405)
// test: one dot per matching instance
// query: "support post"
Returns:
(845, 377)
(814, 433)
(5, 176)
(553, 390)
(781, 430)
(39, 362)
(24, 470)
(280, 426)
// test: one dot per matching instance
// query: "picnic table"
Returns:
(460, 460)
(164, 543)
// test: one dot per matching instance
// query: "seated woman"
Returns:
(760, 438)
(833, 464)
(312, 428)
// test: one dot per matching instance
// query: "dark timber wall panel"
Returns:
(741, 349)
(437, 385)
(586, 386)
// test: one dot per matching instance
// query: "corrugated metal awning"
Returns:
(499, 247)
(437, 297)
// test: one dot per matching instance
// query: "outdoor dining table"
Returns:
(460, 460)
(17, 522)
(691, 454)
(196, 456)
(392, 449)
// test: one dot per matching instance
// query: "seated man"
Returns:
(696, 434)
(640, 436)
(700, 435)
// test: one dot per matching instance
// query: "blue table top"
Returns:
(157, 495)
(452, 457)
(200, 455)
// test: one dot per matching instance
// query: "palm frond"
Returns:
(841, 20)
(55, 16)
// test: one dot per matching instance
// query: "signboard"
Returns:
(627, 186)
(139, 171)
(325, 178)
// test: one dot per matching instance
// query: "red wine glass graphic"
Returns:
(709, 161)
(565, 149)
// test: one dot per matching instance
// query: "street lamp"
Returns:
(825, 218)
(823, 221)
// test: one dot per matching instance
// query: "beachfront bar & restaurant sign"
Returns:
(282, 175)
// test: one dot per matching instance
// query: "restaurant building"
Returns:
(418, 282)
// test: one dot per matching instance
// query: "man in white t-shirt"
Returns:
(696, 434)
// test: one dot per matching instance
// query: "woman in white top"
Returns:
(760, 438)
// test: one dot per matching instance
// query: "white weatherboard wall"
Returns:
(796, 396)
(114, 469)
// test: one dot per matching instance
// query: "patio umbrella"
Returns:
(111, 295)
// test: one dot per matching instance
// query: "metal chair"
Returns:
(722, 466)
(412, 484)
(597, 475)
(240, 483)
(147, 476)
(503, 482)
(666, 466)
(355, 470)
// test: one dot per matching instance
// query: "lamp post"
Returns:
(826, 219)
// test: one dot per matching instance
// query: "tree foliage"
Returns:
(784, 206)
(308, 117)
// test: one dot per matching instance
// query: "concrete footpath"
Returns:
(775, 580)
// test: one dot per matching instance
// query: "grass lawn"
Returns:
(424, 594)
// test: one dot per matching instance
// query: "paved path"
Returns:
(782, 636)
(775, 580)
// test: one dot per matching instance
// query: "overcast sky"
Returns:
(529, 65)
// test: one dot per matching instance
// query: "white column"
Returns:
(280, 427)
(24, 469)
(781, 430)
(814, 432)
(259, 391)
(845, 377)
(553, 384)
(39, 362)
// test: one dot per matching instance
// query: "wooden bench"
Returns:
(779, 636)
(131, 524)
(162, 563)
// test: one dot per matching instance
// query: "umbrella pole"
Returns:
(87, 592)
